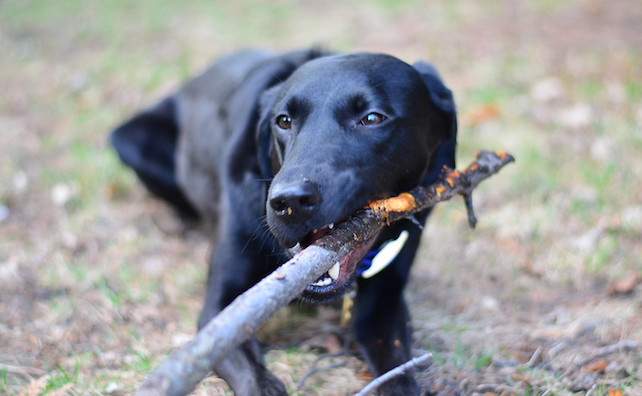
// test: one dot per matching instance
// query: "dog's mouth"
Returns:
(333, 283)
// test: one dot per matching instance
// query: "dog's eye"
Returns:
(372, 119)
(284, 121)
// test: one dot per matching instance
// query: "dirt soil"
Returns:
(99, 281)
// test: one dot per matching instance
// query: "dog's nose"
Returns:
(295, 202)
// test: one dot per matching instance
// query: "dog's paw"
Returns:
(401, 386)
(270, 385)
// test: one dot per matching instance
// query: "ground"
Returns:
(99, 281)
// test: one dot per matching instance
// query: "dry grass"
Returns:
(98, 281)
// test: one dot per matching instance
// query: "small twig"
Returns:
(557, 348)
(26, 372)
(468, 201)
(486, 388)
(316, 370)
(399, 370)
(531, 362)
(609, 349)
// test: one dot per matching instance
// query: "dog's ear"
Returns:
(147, 143)
(446, 112)
(276, 72)
(441, 97)
(264, 139)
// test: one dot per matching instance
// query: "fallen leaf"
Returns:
(64, 391)
(625, 285)
(598, 366)
(521, 378)
(36, 386)
(482, 114)
(615, 392)
(35, 342)
(332, 344)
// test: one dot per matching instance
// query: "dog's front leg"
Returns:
(382, 322)
(235, 266)
(382, 329)
(245, 373)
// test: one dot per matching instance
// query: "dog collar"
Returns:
(378, 259)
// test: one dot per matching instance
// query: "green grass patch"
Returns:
(591, 89)
(599, 176)
(483, 361)
(115, 297)
(38, 12)
(398, 6)
(601, 260)
(633, 89)
(150, 16)
(61, 377)
(538, 173)
(4, 385)
(486, 95)
(141, 363)
(100, 174)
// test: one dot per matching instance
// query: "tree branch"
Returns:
(188, 365)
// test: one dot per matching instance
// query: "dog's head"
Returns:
(343, 130)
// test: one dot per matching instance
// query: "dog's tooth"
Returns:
(334, 271)
(322, 282)
(331, 225)
(294, 249)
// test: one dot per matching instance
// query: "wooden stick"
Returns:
(188, 365)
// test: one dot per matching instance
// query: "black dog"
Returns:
(294, 144)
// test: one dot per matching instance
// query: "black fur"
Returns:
(267, 148)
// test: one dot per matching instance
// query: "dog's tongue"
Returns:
(339, 276)
(334, 282)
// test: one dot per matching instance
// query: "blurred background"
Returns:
(99, 281)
